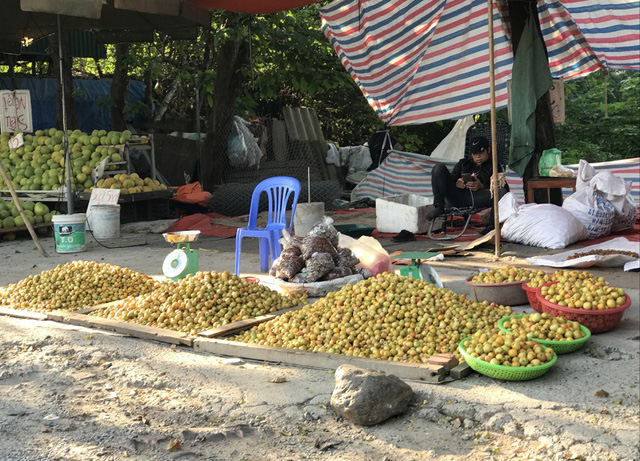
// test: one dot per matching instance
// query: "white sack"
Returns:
(507, 206)
(627, 217)
(593, 211)
(545, 226)
(585, 173)
(333, 156)
(611, 187)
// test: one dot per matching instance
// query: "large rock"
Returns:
(368, 397)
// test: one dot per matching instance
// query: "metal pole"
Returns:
(67, 160)
(198, 130)
(153, 157)
(494, 141)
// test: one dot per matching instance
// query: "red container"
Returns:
(531, 296)
(597, 321)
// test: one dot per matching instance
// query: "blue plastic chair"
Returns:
(280, 190)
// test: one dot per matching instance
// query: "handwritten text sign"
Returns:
(15, 111)
(16, 141)
(103, 197)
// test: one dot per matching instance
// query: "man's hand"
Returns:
(460, 183)
(474, 185)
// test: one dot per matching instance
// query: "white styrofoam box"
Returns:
(402, 212)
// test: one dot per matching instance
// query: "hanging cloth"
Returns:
(531, 80)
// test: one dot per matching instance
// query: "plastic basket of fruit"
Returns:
(531, 296)
(559, 347)
(523, 373)
(596, 320)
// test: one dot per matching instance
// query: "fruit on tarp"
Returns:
(200, 302)
(75, 285)
(384, 317)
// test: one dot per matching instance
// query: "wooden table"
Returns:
(548, 183)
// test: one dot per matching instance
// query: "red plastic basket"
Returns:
(531, 296)
(597, 321)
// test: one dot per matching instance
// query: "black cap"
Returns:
(479, 144)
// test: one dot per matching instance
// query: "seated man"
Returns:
(468, 184)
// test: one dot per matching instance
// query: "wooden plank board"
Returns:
(235, 327)
(8, 230)
(21, 314)
(310, 359)
(131, 329)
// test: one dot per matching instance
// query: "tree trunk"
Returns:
(67, 81)
(119, 87)
(231, 58)
(545, 128)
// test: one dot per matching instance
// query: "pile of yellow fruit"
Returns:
(200, 302)
(562, 276)
(75, 285)
(499, 348)
(588, 294)
(506, 275)
(128, 184)
(384, 317)
(545, 327)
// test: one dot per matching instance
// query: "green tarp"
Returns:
(530, 80)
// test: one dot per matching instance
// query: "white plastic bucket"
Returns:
(68, 231)
(104, 221)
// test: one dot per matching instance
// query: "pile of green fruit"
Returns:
(129, 184)
(506, 275)
(384, 317)
(200, 302)
(545, 327)
(39, 164)
(499, 348)
(36, 212)
(588, 294)
(75, 285)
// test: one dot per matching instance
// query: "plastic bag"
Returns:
(559, 171)
(346, 258)
(337, 273)
(299, 278)
(289, 241)
(242, 147)
(545, 226)
(549, 159)
(325, 228)
(371, 254)
(317, 244)
(319, 265)
(592, 210)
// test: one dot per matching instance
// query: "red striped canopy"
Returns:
(419, 61)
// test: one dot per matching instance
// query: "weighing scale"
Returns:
(417, 269)
(183, 260)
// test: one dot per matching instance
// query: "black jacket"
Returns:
(482, 172)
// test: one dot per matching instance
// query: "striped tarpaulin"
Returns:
(408, 173)
(583, 36)
(418, 61)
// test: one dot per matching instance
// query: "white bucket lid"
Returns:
(76, 218)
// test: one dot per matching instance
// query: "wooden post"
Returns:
(494, 142)
(27, 223)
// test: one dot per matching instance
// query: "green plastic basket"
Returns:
(559, 347)
(503, 372)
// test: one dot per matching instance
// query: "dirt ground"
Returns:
(69, 393)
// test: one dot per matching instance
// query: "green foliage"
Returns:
(587, 133)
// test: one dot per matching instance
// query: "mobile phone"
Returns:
(467, 177)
